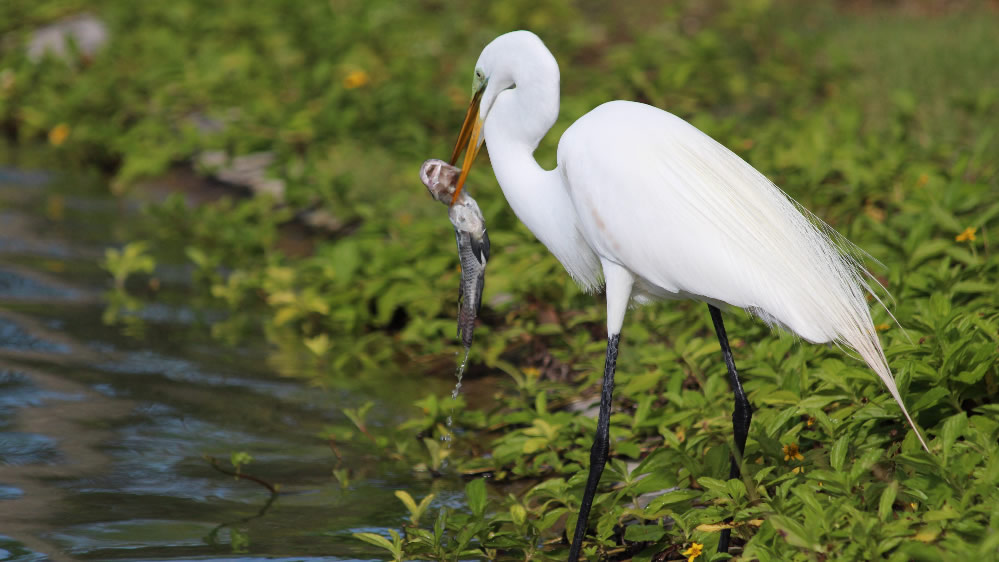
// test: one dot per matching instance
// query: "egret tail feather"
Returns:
(870, 351)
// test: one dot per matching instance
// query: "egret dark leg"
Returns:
(601, 446)
(742, 415)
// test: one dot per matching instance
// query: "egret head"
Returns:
(513, 59)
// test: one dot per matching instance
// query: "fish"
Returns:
(470, 234)
(473, 254)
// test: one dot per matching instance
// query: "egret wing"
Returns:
(691, 219)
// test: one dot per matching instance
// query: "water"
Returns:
(104, 429)
(459, 372)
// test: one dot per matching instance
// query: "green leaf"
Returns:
(927, 250)
(952, 428)
(239, 459)
(628, 448)
(656, 481)
(534, 444)
(406, 500)
(643, 533)
(713, 484)
(518, 514)
(780, 419)
(439, 525)
(475, 492)
(820, 401)
(551, 517)
(808, 497)
(643, 382)
(887, 501)
(541, 403)
(945, 219)
(837, 455)
(642, 410)
(736, 488)
(929, 398)
(415, 511)
(318, 345)
(375, 539)
(793, 532)
(864, 463)
(670, 498)
(973, 287)
(947, 512)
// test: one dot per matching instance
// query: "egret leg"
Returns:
(600, 448)
(742, 415)
(618, 283)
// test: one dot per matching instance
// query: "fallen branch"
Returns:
(239, 475)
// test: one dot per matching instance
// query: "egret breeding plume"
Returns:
(651, 208)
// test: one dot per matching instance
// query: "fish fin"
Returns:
(480, 247)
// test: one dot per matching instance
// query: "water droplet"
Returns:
(454, 396)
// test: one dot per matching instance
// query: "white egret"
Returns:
(650, 207)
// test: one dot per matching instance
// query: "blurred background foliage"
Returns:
(879, 117)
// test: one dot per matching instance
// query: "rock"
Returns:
(250, 172)
(87, 31)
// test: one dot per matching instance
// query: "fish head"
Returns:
(440, 179)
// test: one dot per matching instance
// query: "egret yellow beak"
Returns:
(468, 139)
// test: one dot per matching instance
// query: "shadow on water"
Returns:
(103, 436)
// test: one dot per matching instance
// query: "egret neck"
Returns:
(517, 121)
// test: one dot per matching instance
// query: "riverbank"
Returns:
(879, 120)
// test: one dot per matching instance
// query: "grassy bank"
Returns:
(881, 121)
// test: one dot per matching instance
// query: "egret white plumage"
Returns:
(652, 208)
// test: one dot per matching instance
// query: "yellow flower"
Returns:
(882, 326)
(791, 452)
(58, 134)
(810, 422)
(798, 469)
(967, 236)
(356, 79)
(693, 552)
(531, 372)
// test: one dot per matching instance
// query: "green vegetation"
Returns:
(882, 123)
